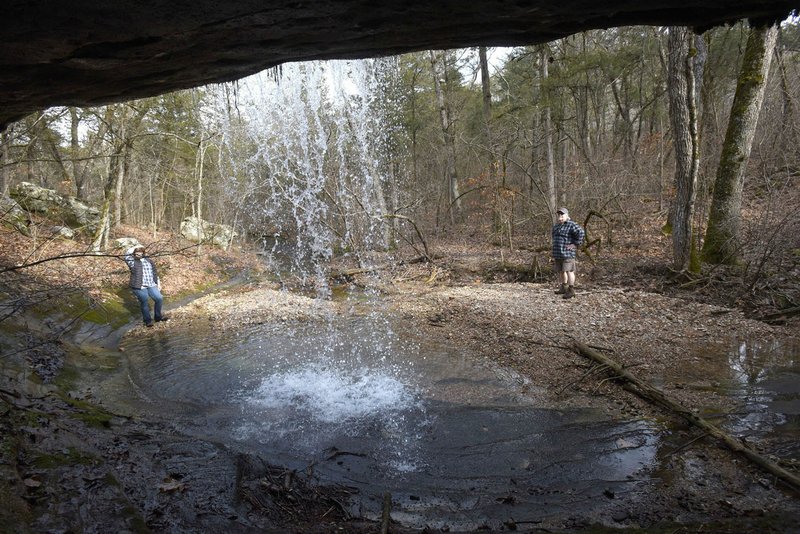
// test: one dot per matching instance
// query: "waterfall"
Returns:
(308, 149)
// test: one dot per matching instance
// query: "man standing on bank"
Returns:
(567, 237)
(145, 284)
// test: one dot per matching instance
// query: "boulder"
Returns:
(68, 210)
(200, 231)
(64, 232)
(12, 215)
(125, 243)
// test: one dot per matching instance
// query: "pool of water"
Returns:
(761, 379)
(457, 441)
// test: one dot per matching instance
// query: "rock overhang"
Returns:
(91, 52)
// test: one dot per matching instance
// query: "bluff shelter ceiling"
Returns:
(89, 52)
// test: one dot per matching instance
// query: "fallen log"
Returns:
(347, 273)
(789, 312)
(652, 394)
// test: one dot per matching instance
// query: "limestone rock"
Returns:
(125, 243)
(200, 231)
(64, 232)
(12, 215)
(68, 210)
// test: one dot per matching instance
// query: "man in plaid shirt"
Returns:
(567, 237)
(145, 284)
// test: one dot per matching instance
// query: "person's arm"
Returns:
(579, 235)
(129, 256)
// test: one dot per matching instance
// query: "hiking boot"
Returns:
(162, 319)
(569, 293)
(149, 325)
(562, 289)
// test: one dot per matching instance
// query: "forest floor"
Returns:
(499, 305)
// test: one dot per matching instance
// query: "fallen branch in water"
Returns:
(652, 394)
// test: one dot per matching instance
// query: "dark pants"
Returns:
(144, 294)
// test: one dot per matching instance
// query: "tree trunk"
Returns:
(492, 176)
(786, 92)
(379, 204)
(536, 175)
(439, 76)
(114, 171)
(199, 167)
(487, 110)
(582, 109)
(118, 170)
(123, 174)
(544, 58)
(619, 91)
(394, 201)
(109, 191)
(683, 118)
(77, 168)
(49, 143)
(722, 242)
(414, 129)
(5, 141)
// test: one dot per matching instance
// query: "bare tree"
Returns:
(119, 162)
(5, 154)
(486, 88)
(683, 117)
(544, 59)
(439, 73)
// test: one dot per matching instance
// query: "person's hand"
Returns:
(571, 247)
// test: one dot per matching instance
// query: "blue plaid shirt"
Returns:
(148, 280)
(149, 276)
(566, 233)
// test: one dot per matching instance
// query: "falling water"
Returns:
(314, 176)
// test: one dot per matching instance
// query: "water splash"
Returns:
(335, 397)
(321, 405)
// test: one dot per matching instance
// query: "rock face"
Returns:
(200, 231)
(71, 211)
(88, 52)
